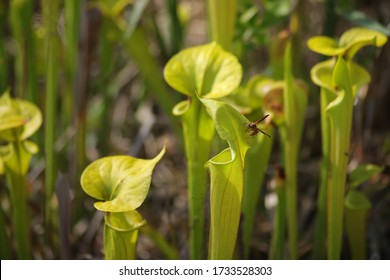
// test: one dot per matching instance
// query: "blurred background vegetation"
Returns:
(94, 68)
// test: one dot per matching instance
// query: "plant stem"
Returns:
(120, 245)
(109, 91)
(5, 252)
(3, 55)
(290, 168)
(339, 113)
(279, 231)
(176, 32)
(50, 19)
(72, 23)
(17, 184)
(320, 225)
(222, 19)
(197, 143)
(21, 25)
(291, 131)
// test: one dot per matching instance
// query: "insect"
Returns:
(252, 127)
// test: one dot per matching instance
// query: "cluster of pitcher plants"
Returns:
(229, 128)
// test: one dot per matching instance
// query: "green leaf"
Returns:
(359, 35)
(324, 45)
(357, 201)
(363, 173)
(227, 175)
(134, 17)
(356, 38)
(350, 42)
(207, 70)
(122, 182)
(278, 8)
(9, 117)
(18, 114)
(32, 116)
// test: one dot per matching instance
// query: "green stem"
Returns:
(291, 201)
(50, 19)
(320, 225)
(290, 157)
(21, 25)
(279, 232)
(72, 23)
(120, 245)
(197, 146)
(291, 132)
(337, 189)
(222, 19)
(4, 80)
(17, 184)
(340, 124)
(5, 252)
(176, 32)
(109, 88)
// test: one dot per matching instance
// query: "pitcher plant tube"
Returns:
(357, 206)
(19, 120)
(121, 184)
(206, 71)
(295, 101)
(227, 178)
(333, 82)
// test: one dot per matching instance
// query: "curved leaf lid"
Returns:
(120, 182)
(207, 70)
(349, 43)
(18, 114)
